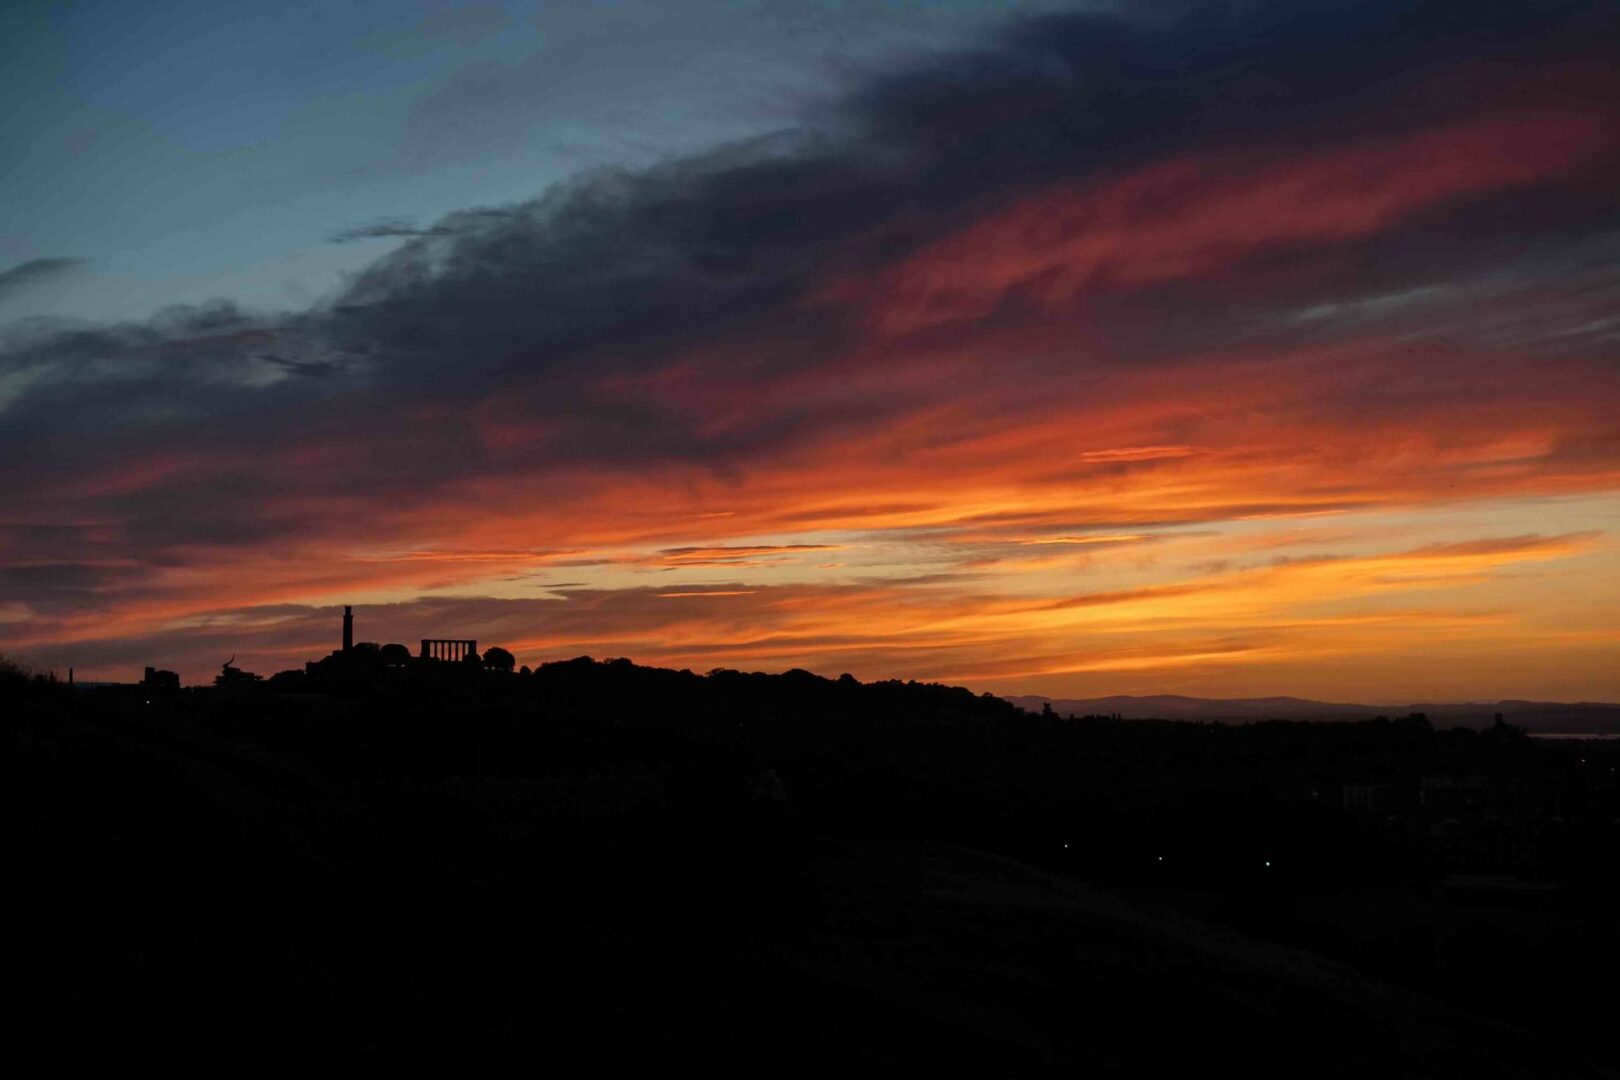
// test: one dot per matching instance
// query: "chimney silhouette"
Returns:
(348, 627)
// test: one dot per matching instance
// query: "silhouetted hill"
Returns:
(1534, 716)
(792, 873)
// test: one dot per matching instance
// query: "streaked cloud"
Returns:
(1086, 352)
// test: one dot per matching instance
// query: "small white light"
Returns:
(1268, 862)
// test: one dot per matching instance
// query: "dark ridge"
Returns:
(1535, 717)
(621, 865)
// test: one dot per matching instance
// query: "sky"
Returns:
(1068, 349)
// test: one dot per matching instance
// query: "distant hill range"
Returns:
(1536, 717)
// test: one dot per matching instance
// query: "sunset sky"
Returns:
(1071, 349)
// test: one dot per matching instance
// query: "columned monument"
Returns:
(447, 649)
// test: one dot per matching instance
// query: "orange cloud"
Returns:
(1188, 216)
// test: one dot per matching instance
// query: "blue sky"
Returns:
(194, 150)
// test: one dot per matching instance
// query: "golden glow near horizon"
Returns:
(1378, 605)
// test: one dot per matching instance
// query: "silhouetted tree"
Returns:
(498, 659)
(14, 674)
(284, 681)
(395, 655)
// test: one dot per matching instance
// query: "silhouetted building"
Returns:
(1369, 798)
(159, 681)
(359, 664)
(453, 649)
(1445, 793)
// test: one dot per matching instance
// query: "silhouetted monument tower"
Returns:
(348, 628)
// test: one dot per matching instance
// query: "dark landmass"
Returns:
(605, 865)
(1535, 717)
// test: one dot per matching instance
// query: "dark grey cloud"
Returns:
(380, 229)
(395, 228)
(34, 273)
(315, 369)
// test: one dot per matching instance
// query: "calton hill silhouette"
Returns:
(356, 666)
(440, 859)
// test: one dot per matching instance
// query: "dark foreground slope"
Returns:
(781, 873)
(962, 959)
